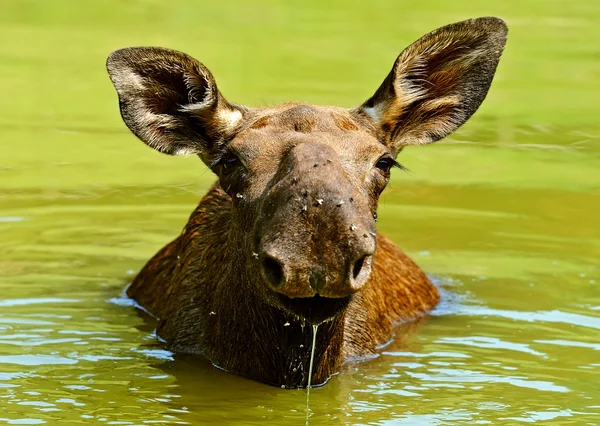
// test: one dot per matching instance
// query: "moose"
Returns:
(286, 238)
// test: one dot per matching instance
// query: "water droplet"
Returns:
(287, 324)
(239, 195)
(353, 227)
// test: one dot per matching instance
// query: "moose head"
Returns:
(304, 181)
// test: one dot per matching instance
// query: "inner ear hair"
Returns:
(438, 82)
(171, 101)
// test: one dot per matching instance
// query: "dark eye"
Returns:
(385, 164)
(229, 162)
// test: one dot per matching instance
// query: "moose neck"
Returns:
(274, 345)
(220, 307)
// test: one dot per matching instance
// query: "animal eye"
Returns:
(229, 161)
(385, 164)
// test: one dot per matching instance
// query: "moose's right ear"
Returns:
(171, 101)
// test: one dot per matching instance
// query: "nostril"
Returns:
(273, 271)
(358, 266)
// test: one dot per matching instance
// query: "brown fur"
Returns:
(206, 305)
(286, 238)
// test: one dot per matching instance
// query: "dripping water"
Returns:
(310, 369)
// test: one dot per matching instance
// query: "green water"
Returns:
(503, 215)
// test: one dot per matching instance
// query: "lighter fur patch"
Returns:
(229, 118)
(196, 106)
(127, 79)
(185, 151)
(374, 112)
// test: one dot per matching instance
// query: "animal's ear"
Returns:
(171, 101)
(437, 83)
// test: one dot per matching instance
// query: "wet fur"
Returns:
(198, 286)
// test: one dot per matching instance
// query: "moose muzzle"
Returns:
(317, 233)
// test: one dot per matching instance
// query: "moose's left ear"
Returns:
(437, 83)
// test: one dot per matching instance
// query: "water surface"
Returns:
(503, 216)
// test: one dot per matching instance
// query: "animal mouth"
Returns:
(316, 309)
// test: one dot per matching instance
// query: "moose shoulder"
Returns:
(286, 237)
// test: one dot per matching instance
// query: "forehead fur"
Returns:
(306, 118)
(269, 133)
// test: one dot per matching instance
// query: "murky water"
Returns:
(503, 216)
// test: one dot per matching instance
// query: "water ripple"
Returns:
(454, 304)
(34, 301)
(35, 360)
(570, 343)
(491, 342)
(470, 376)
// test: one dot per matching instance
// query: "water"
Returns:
(310, 369)
(312, 358)
(502, 216)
